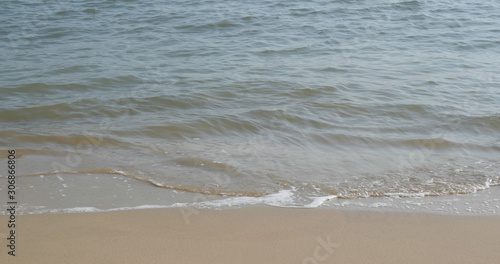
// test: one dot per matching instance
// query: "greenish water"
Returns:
(345, 99)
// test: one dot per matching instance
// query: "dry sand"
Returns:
(252, 235)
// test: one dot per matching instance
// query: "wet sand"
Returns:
(252, 235)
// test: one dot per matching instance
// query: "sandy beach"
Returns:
(310, 132)
(253, 235)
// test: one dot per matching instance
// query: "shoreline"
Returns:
(105, 192)
(253, 235)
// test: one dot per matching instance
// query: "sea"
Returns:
(366, 104)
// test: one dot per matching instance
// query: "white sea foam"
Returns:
(283, 198)
(420, 194)
(79, 210)
(318, 201)
(95, 210)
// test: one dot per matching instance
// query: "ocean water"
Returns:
(129, 104)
